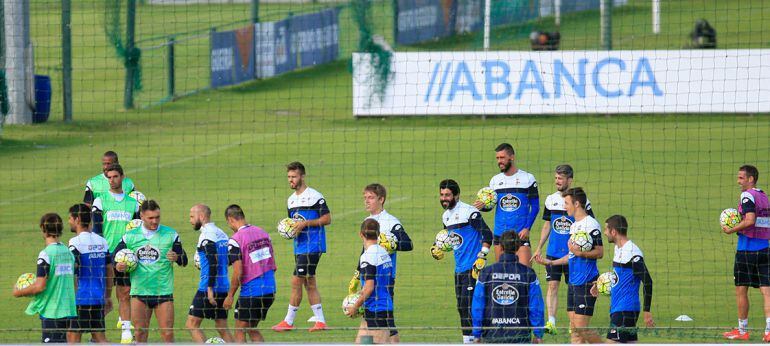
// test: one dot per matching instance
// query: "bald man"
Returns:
(213, 287)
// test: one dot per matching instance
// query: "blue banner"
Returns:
(315, 36)
(424, 20)
(232, 57)
(285, 56)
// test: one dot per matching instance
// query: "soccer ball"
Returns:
(350, 300)
(445, 241)
(133, 224)
(582, 240)
(25, 280)
(605, 282)
(215, 340)
(138, 196)
(197, 260)
(729, 217)
(129, 258)
(286, 228)
(487, 196)
(388, 241)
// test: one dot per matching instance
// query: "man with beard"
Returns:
(471, 238)
(518, 201)
(212, 289)
(99, 184)
(556, 233)
(308, 207)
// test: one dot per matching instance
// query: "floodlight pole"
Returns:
(557, 12)
(17, 50)
(128, 96)
(606, 18)
(487, 24)
(656, 16)
(66, 43)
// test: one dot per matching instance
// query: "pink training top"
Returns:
(761, 228)
(256, 252)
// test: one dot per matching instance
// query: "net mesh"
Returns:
(199, 134)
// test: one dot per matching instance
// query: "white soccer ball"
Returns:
(351, 300)
(729, 217)
(487, 196)
(197, 260)
(133, 224)
(582, 240)
(445, 241)
(286, 228)
(605, 282)
(138, 196)
(215, 340)
(129, 258)
(25, 280)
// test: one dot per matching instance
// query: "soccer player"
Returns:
(583, 271)
(628, 265)
(93, 270)
(518, 201)
(752, 258)
(376, 274)
(472, 238)
(54, 289)
(308, 207)
(99, 184)
(213, 286)
(555, 233)
(507, 299)
(111, 212)
(253, 260)
(157, 247)
(374, 202)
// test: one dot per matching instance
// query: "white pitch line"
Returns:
(141, 169)
(363, 211)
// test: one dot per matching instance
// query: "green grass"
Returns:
(670, 174)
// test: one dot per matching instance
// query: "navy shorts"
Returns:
(554, 272)
(623, 326)
(253, 309)
(306, 264)
(379, 319)
(580, 300)
(90, 319)
(152, 302)
(202, 308)
(752, 268)
(496, 241)
(54, 330)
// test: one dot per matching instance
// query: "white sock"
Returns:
(318, 312)
(743, 325)
(126, 333)
(767, 325)
(125, 325)
(291, 314)
(552, 319)
(468, 339)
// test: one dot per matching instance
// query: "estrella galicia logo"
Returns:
(509, 202)
(561, 225)
(147, 254)
(456, 240)
(505, 294)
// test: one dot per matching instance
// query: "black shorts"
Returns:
(152, 302)
(554, 272)
(202, 308)
(752, 268)
(623, 326)
(496, 241)
(90, 319)
(121, 279)
(54, 330)
(253, 309)
(580, 300)
(306, 264)
(379, 320)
